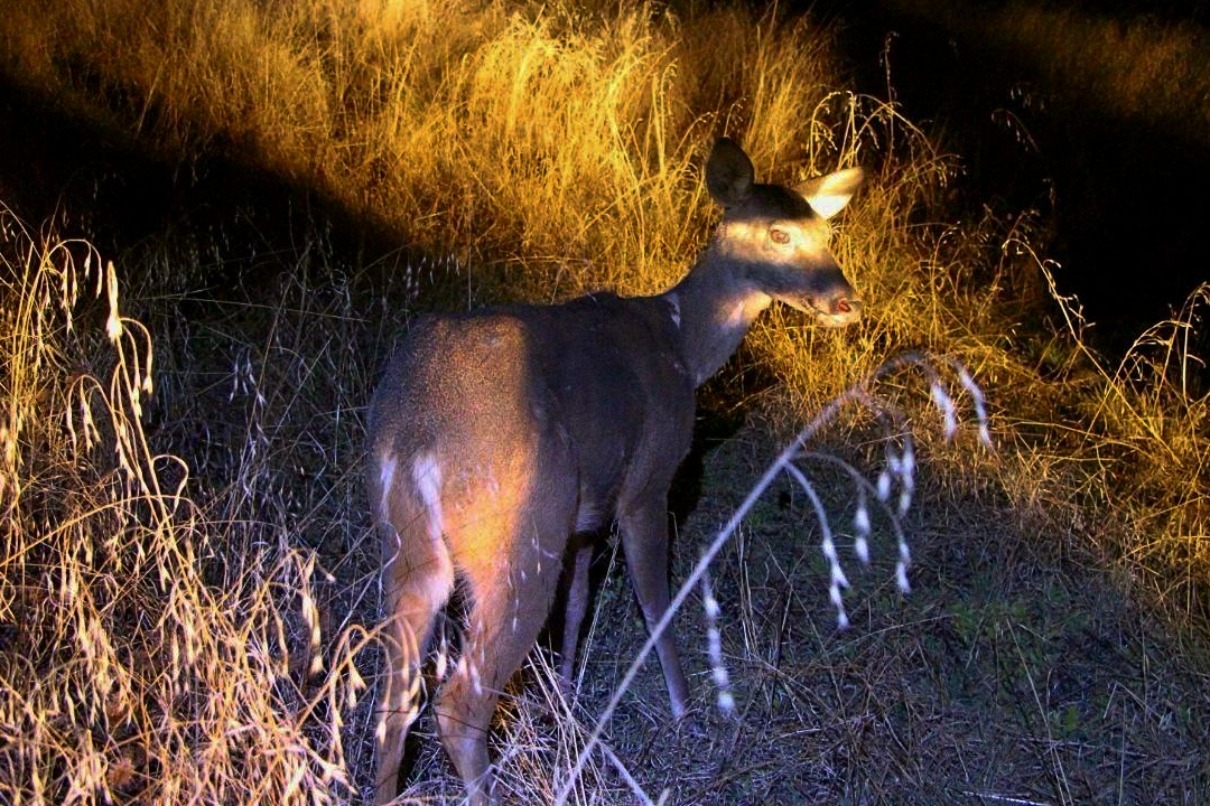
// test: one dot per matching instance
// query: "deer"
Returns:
(498, 435)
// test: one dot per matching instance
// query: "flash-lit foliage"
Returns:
(186, 579)
(123, 659)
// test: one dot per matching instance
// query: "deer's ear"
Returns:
(729, 173)
(828, 194)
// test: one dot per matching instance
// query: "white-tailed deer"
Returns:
(498, 434)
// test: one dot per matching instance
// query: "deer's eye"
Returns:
(779, 236)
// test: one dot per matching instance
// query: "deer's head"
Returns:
(779, 236)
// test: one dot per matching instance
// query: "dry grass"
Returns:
(185, 538)
(565, 134)
(152, 649)
(1147, 428)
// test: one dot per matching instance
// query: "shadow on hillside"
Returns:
(106, 187)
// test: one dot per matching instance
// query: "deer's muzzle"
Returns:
(839, 313)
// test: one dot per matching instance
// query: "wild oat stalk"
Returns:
(126, 671)
(899, 473)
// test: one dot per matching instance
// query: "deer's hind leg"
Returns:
(417, 580)
(576, 574)
(510, 586)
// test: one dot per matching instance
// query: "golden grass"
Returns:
(543, 149)
(1150, 430)
(566, 133)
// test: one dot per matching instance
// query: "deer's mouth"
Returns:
(833, 313)
(844, 312)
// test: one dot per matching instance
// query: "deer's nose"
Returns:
(837, 311)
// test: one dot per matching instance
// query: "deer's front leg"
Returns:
(645, 540)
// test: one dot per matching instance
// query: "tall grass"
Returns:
(185, 550)
(142, 656)
(1138, 444)
(1147, 425)
(550, 150)
(566, 133)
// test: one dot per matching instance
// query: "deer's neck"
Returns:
(714, 307)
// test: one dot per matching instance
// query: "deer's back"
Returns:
(595, 388)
